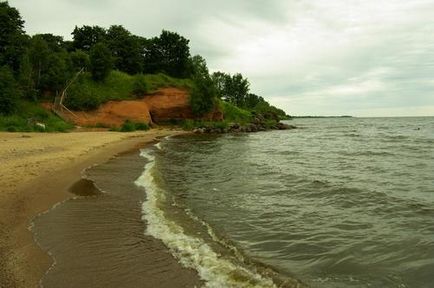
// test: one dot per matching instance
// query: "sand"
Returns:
(36, 172)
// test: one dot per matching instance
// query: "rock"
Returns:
(199, 130)
(283, 126)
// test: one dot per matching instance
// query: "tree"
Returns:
(252, 100)
(12, 37)
(198, 66)
(79, 60)
(38, 56)
(55, 43)
(9, 92)
(233, 89)
(219, 79)
(100, 62)
(238, 88)
(87, 36)
(56, 72)
(126, 49)
(168, 53)
(26, 78)
(203, 95)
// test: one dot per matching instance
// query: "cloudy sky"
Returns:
(309, 57)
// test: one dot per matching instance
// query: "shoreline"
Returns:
(47, 165)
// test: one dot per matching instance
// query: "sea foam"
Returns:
(191, 252)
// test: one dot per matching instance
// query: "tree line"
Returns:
(35, 66)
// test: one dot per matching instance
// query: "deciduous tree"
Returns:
(100, 62)
(87, 36)
(12, 37)
(9, 92)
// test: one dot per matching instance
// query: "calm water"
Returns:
(336, 203)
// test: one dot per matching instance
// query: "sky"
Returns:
(363, 58)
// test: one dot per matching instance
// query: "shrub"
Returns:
(140, 87)
(128, 126)
(141, 126)
(203, 95)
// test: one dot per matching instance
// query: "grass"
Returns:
(234, 114)
(29, 114)
(131, 126)
(86, 94)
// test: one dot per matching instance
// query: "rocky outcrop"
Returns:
(250, 127)
(167, 104)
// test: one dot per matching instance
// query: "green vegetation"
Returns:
(86, 94)
(27, 119)
(192, 124)
(234, 114)
(9, 92)
(130, 126)
(101, 62)
(235, 89)
(116, 65)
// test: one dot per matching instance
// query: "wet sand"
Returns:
(97, 238)
(36, 172)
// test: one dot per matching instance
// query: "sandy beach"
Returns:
(36, 172)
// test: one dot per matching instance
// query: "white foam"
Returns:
(158, 145)
(191, 252)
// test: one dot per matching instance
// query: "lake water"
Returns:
(346, 202)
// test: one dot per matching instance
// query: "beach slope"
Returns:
(36, 171)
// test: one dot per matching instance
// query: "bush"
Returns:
(140, 87)
(203, 95)
(128, 126)
(141, 126)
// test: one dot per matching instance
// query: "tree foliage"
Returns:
(232, 88)
(198, 66)
(50, 64)
(87, 36)
(43, 64)
(100, 62)
(169, 53)
(126, 49)
(79, 60)
(12, 37)
(203, 95)
(9, 92)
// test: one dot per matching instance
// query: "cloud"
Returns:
(307, 56)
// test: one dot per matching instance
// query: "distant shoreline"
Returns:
(343, 116)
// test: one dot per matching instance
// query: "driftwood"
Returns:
(59, 108)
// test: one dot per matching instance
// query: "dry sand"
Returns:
(36, 171)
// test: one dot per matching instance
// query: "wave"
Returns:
(191, 252)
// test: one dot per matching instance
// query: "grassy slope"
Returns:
(29, 113)
(86, 94)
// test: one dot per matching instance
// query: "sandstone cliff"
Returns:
(164, 105)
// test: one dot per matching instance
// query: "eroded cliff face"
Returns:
(164, 105)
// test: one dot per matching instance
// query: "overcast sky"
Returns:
(309, 57)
